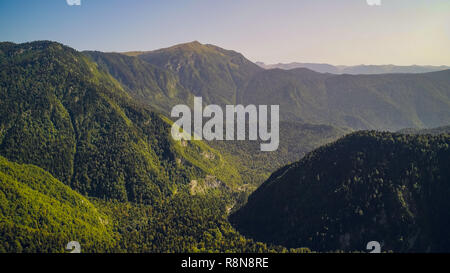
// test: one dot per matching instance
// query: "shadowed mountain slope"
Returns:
(367, 186)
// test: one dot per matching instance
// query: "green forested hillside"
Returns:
(59, 112)
(296, 140)
(367, 186)
(38, 213)
(150, 78)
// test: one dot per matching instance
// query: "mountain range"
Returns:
(59, 112)
(381, 102)
(92, 130)
(357, 69)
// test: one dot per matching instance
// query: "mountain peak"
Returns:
(188, 45)
(194, 45)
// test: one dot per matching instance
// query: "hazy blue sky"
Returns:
(349, 32)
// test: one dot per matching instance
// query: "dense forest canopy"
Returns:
(367, 186)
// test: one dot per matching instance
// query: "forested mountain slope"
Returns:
(367, 186)
(157, 87)
(89, 120)
(432, 131)
(388, 102)
(40, 214)
(59, 112)
(296, 140)
(208, 71)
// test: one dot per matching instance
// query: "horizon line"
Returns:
(253, 61)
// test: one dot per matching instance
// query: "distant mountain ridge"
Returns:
(432, 131)
(357, 69)
(35, 207)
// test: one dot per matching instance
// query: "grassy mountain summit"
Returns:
(367, 186)
(356, 69)
(208, 71)
(60, 112)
